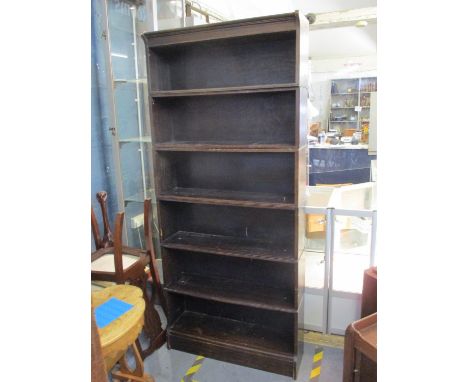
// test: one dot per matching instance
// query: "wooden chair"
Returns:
(114, 262)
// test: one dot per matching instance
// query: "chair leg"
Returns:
(152, 327)
(156, 287)
(148, 218)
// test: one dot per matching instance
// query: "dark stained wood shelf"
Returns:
(234, 292)
(223, 147)
(228, 106)
(228, 198)
(224, 90)
(217, 118)
(232, 333)
(228, 246)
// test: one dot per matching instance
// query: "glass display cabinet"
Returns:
(123, 24)
(350, 104)
(120, 59)
(340, 239)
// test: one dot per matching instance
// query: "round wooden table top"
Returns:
(117, 336)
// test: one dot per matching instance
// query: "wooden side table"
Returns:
(360, 341)
(122, 333)
(369, 292)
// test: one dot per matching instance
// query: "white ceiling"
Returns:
(239, 9)
(326, 43)
(342, 42)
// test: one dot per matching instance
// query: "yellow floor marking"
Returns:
(197, 364)
(329, 340)
(193, 369)
(314, 372)
(318, 356)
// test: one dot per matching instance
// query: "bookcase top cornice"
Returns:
(235, 28)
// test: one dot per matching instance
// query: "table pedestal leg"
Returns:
(136, 375)
(152, 327)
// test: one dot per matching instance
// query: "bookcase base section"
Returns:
(284, 365)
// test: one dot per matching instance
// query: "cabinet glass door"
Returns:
(350, 258)
(314, 254)
(315, 257)
(127, 21)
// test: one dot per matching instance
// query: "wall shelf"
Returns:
(363, 84)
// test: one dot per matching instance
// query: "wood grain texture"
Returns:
(229, 246)
(369, 292)
(217, 118)
(226, 90)
(151, 256)
(258, 228)
(234, 292)
(222, 146)
(249, 179)
(95, 230)
(106, 240)
(245, 356)
(266, 59)
(228, 113)
(98, 368)
(231, 280)
(237, 334)
(228, 29)
(360, 341)
(120, 335)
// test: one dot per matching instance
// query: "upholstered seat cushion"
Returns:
(105, 263)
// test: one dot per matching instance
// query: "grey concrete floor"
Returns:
(171, 365)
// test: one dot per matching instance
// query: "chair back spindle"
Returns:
(118, 261)
(95, 229)
(107, 240)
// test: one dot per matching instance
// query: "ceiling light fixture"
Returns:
(361, 24)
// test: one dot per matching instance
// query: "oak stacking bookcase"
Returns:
(228, 112)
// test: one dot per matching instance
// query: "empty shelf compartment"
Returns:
(231, 280)
(265, 118)
(263, 179)
(229, 246)
(238, 61)
(229, 230)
